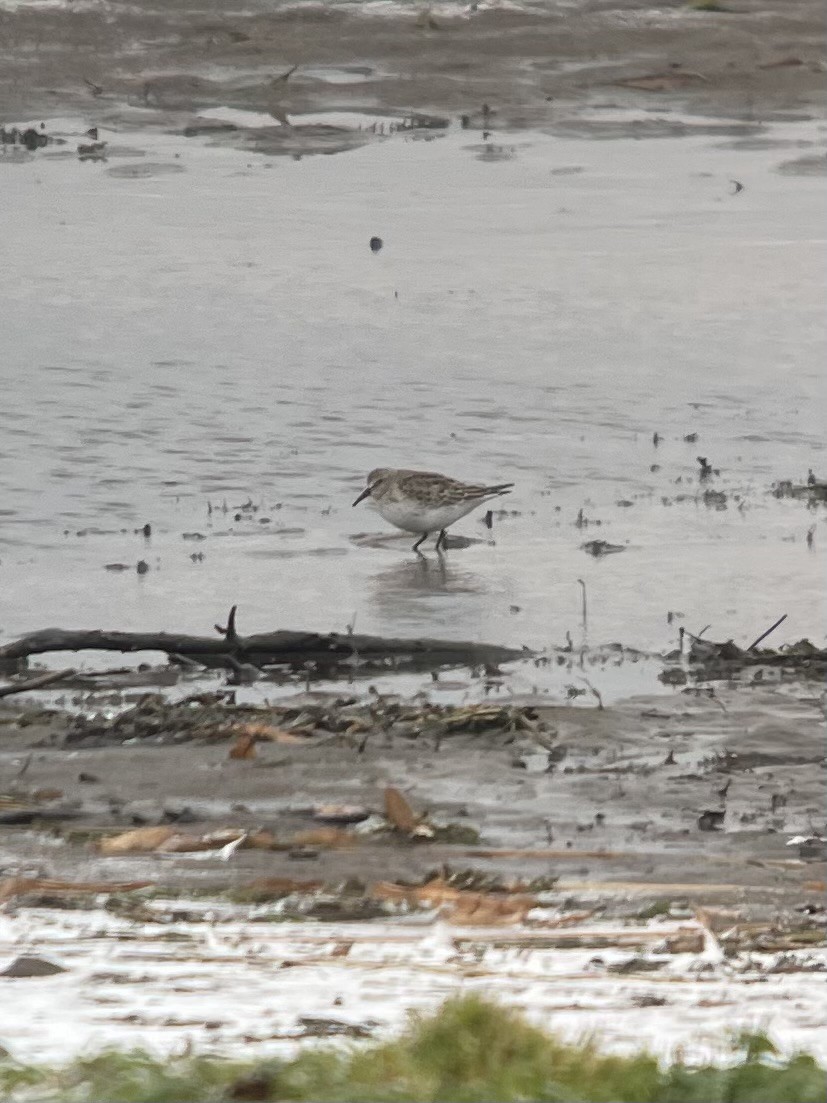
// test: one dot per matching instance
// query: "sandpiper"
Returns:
(423, 501)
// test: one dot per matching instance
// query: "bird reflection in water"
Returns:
(420, 589)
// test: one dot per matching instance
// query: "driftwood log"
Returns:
(265, 649)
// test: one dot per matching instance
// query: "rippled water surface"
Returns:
(192, 328)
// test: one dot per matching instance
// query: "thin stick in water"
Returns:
(584, 610)
(35, 683)
(764, 635)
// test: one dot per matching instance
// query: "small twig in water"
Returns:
(595, 692)
(182, 660)
(764, 635)
(583, 604)
(282, 77)
(685, 632)
(36, 683)
(714, 697)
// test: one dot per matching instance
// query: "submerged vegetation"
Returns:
(469, 1050)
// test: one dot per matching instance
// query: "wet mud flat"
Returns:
(664, 856)
(357, 853)
(746, 57)
(656, 790)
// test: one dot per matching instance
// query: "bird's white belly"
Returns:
(413, 517)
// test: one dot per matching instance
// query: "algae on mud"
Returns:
(469, 1050)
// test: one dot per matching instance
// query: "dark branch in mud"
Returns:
(265, 649)
(282, 78)
(764, 635)
(36, 683)
(229, 633)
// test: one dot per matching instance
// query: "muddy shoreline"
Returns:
(661, 791)
(633, 858)
(753, 61)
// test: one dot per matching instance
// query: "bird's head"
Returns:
(375, 479)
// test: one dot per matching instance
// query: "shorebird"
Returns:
(423, 501)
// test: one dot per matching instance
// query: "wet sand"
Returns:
(755, 60)
(632, 781)
(600, 821)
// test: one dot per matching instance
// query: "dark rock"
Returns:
(251, 1089)
(645, 1000)
(711, 820)
(25, 966)
(93, 151)
(317, 1027)
(601, 547)
(184, 814)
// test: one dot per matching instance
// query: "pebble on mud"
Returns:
(26, 966)
(601, 547)
(92, 151)
(711, 820)
(376, 244)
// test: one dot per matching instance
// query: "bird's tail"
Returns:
(492, 491)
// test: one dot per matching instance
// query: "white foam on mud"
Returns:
(240, 117)
(332, 75)
(238, 984)
(253, 120)
(56, 5)
(446, 10)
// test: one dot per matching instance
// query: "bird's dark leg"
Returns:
(422, 538)
(440, 540)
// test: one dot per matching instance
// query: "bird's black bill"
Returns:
(365, 494)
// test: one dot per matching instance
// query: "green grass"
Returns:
(469, 1051)
(708, 5)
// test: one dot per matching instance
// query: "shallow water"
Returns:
(542, 305)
